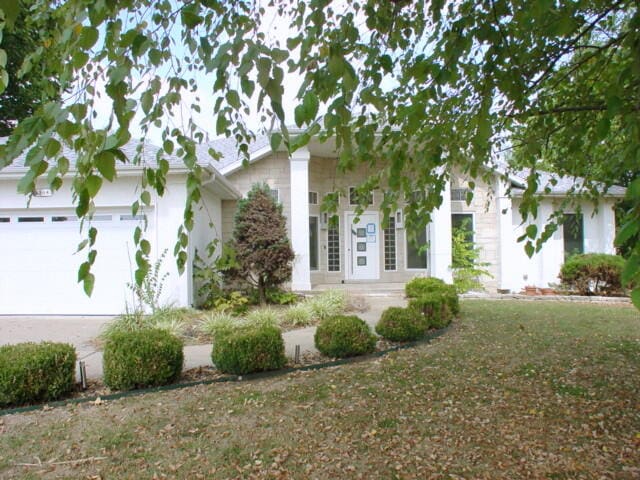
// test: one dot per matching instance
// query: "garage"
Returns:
(39, 266)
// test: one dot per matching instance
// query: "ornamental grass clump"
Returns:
(328, 304)
(402, 324)
(344, 336)
(248, 347)
(142, 358)
(262, 316)
(36, 372)
(299, 315)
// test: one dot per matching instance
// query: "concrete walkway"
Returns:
(80, 331)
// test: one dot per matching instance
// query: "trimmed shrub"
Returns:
(435, 307)
(402, 324)
(143, 358)
(593, 274)
(36, 372)
(248, 348)
(344, 336)
(421, 286)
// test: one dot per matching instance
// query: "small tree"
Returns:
(263, 253)
(467, 269)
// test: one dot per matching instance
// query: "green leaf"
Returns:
(52, 148)
(147, 101)
(276, 140)
(628, 230)
(190, 17)
(311, 105)
(106, 164)
(87, 284)
(299, 114)
(635, 297)
(146, 197)
(529, 249)
(532, 231)
(92, 185)
(83, 271)
(145, 247)
(234, 99)
(88, 37)
(248, 86)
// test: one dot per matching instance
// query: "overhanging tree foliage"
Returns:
(415, 88)
(29, 85)
(260, 242)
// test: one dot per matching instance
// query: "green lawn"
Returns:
(515, 390)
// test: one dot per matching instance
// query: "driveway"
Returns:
(76, 330)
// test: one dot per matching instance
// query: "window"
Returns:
(459, 194)
(125, 218)
(30, 219)
(275, 194)
(390, 245)
(313, 243)
(64, 219)
(417, 250)
(101, 218)
(573, 232)
(5, 219)
(333, 248)
(313, 198)
(354, 196)
(464, 222)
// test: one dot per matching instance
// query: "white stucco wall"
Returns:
(543, 268)
(165, 215)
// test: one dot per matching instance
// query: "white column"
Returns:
(551, 255)
(440, 239)
(177, 289)
(608, 228)
(506, 241)
(301, 275)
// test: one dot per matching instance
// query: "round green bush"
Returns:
(143, 358)
(435, 308)
(421, 286)
(593, 273)
(36, 372)
(247, 348)
(402, 324)
(344, 336)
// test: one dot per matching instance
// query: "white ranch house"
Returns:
(38, 269)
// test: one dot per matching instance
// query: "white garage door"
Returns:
(39, 271)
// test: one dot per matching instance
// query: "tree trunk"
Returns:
(261, 292)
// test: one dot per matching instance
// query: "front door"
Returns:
(363, 246)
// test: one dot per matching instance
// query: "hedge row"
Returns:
(150, 357)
